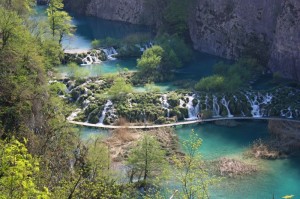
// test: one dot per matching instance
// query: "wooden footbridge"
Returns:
(151, 126)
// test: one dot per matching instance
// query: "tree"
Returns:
(211, 83)
(18, 170)
(120, 87)
(59, 20)
(9, 23)
(146, 160)
(150, 63)
(189, 171)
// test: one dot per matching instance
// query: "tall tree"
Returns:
(146, 160)
(190, 173)
(59, 20)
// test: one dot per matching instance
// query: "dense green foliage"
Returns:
(230, 77)
(18, 170)
(59, 20)
(158, 63)
(146, 160)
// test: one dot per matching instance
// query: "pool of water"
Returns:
(106, 67)
(278, 177)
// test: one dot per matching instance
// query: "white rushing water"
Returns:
(74, 115)
(164, 103)
(257, 101)
(110, 53)
(107, 106)
(91, 59)
(193, 111)
(226, 104)
(216, 107)
(288, 113)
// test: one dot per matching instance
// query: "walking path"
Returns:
(180, 123)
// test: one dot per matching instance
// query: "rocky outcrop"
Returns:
(230, 28)
(285, 53)
(131, 11)
(224, 28)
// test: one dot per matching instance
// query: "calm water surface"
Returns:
(278, 177)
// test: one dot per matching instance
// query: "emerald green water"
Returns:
(278, 177)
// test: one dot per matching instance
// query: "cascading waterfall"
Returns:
(110, 53)
(206, 102)
(288, 113)
(216, 107)
(255, 104)
(193, 111)
(145, 46)
(74, 115)
(226, 104)
(106, 108)
(165, 105)
(91, 59)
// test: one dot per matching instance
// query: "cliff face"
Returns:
(226, 28)
(285, 51)
(131, 11)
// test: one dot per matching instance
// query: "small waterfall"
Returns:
(91, 59)
(106, 108)
(144, 47)
(130, 103)
(110, 53)
(288, 113)
(165, 105)
(74, 115)
(206, 102)
(226, 104)
(255, 103)
(192, 111)
(181, 103)
(216, 107)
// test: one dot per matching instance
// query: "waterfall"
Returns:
(216, 107)
(288, 113)
(91, 59)
(255, 103)
(164, 103)
(74, 115)
(226, 104)
(181, 103)
(192, 111)
(206, 102)
(106, 108)
(110, 53)
(145, 46)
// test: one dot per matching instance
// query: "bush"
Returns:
(212, 83)
(96, 43)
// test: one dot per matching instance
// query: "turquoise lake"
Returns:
(278, 177)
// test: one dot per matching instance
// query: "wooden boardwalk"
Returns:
(180, 123)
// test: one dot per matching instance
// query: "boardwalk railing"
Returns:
(180, 123)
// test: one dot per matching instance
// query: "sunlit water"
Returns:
(278, 177)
